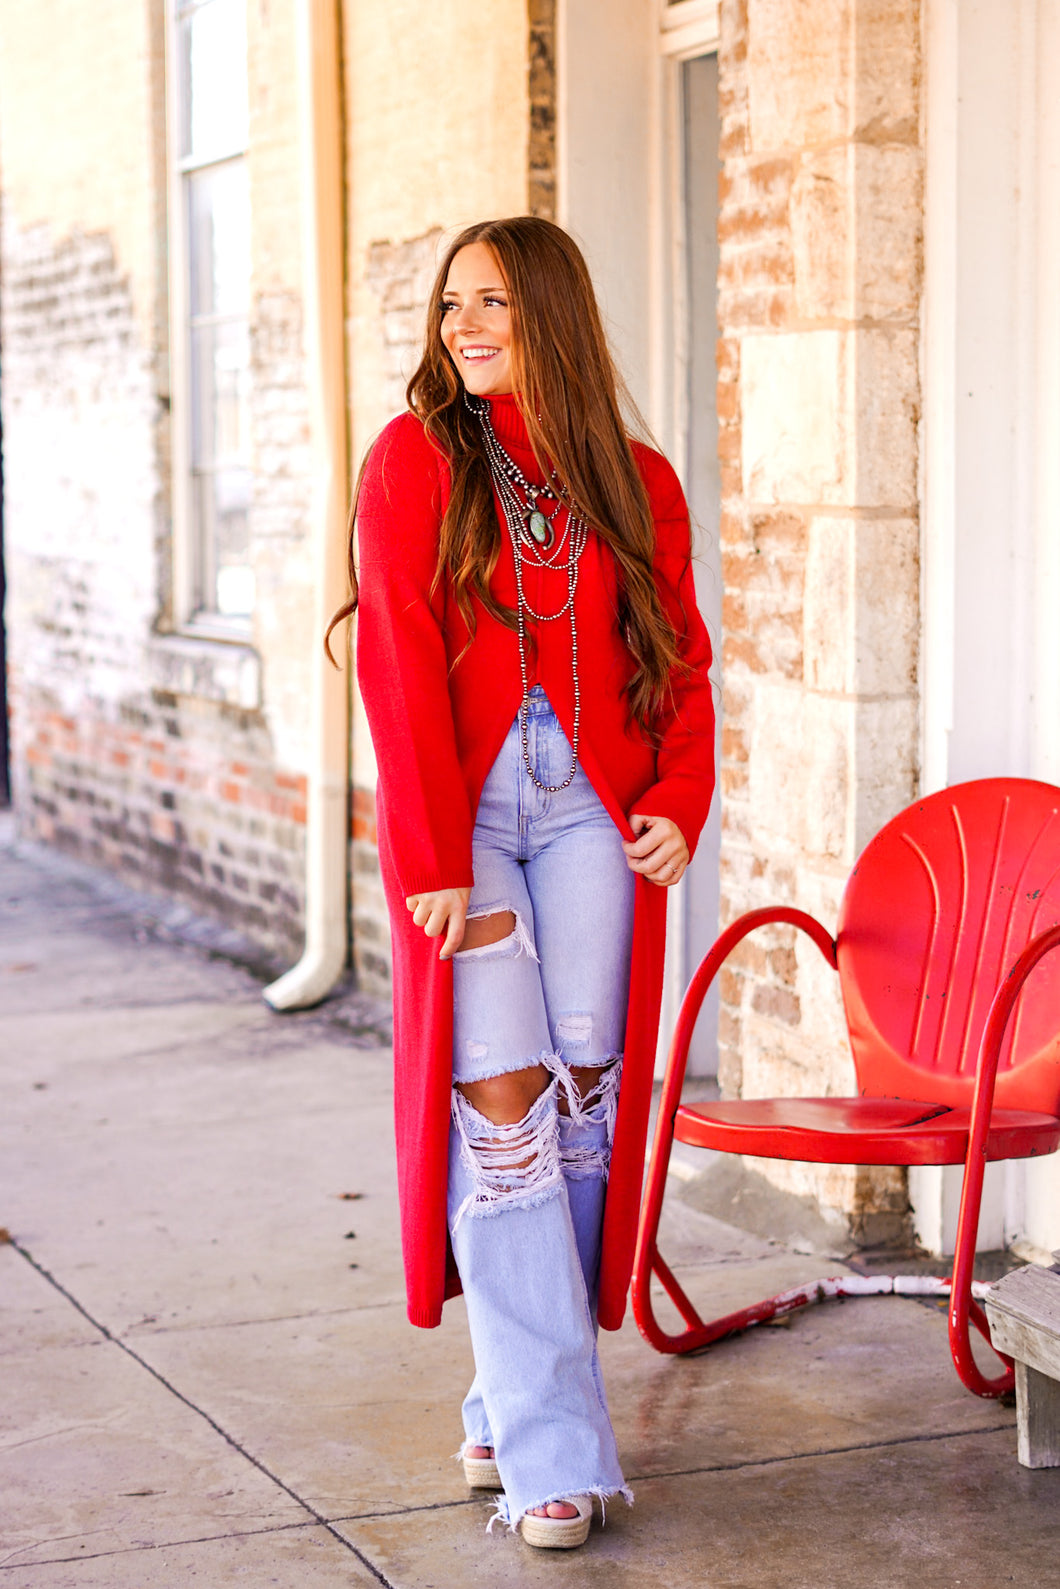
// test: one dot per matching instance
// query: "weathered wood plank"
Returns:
(1027, 1343)
(1024, 1314)
(1031, 1293)
(1023, 1310)
(1037, 1418)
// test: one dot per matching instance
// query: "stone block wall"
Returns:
(818, 398)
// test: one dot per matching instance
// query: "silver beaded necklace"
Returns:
(534, 541)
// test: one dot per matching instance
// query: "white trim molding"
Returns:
(990, 481)
(689, 28)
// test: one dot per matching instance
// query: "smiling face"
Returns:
(477, 322)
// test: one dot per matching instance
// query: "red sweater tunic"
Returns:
(437, 729)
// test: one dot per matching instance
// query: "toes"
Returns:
(560, 1509)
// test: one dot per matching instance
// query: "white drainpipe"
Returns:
(323, 186)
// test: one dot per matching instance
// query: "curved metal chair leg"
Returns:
(964, 1310)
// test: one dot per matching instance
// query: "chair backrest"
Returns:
(938, 907)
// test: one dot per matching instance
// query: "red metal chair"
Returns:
(945, 916)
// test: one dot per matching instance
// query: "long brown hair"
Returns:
(568, 385)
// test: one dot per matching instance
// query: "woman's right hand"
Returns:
(442, 910)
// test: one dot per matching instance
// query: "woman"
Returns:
(534, 671)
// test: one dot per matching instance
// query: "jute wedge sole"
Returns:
(481, 1473)
(559, 1533)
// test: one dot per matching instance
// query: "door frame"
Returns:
(619, 149)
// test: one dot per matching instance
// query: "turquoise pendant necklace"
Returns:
(540, 528)
(538, 521)
(532, 534)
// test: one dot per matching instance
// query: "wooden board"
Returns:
(1024, 1314)
(1037, 1419)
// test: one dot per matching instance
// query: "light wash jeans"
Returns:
(526, 1200)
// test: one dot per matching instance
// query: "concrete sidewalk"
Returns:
(207, 1373)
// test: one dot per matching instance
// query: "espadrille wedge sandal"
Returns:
(480, 1473)
(559, 1533)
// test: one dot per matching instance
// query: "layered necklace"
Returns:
(536, 544)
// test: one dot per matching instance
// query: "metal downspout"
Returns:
(323, 187)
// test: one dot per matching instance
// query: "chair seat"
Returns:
(860, 1130)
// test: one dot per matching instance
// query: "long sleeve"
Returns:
(685, 782)
(402, 663)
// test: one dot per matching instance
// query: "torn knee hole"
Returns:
(584, 1161)
(589, 1092)
(508, 1164)
(504, 1099)
(585, 1086)
(591, 1078)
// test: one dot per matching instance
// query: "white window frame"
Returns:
(619, 142)
(187, 617)
(687, 29)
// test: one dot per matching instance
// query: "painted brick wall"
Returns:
(178, 790)
(819, 285)
(175, 760)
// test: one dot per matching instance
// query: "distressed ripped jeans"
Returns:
(526, 1199)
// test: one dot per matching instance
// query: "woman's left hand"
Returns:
(659, 852)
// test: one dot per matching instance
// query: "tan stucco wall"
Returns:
(437, 111)
(438, 135)
(274, 151)
(65, 163)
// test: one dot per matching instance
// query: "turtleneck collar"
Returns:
(508, 423)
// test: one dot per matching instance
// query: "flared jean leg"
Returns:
(586, 1189)
(537, 1373)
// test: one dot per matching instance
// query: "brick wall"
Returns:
(154, 793)
(177, 760)
(819, 284)
(133, 749)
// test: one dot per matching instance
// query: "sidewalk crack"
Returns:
(219, 1429)
(827, 1451)
(9, 1564)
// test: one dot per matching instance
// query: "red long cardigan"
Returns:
(437, 729)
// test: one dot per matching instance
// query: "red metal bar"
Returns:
(647, 1260)
(700, 1335)
(962, 1308)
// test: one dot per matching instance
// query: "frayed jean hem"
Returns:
(501, 1513)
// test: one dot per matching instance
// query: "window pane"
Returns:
(212, 52)
(219, 238)
(212, 90)
(220, 463)
(219, 379)
(225, 577)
